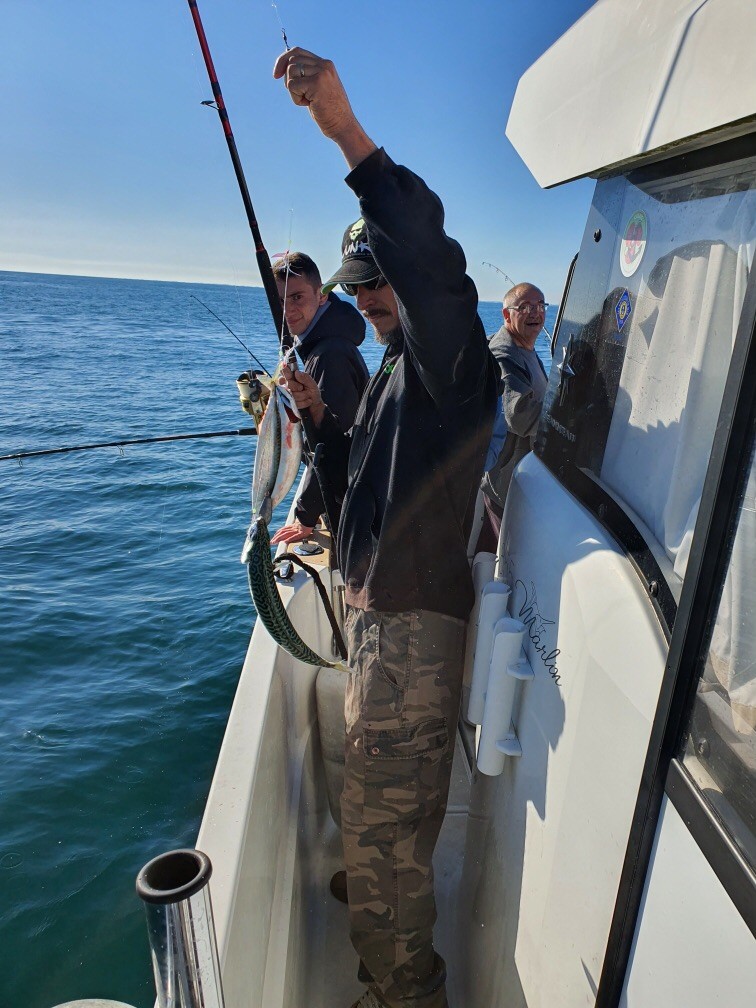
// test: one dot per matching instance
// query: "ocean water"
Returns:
(124, 610)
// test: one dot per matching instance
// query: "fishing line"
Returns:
(239, 302)
(274, 5)
(37, 453)
(265, 370)
(286, 357)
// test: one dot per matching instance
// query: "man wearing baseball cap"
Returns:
(408, 474)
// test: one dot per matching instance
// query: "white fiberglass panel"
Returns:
(631, 77)
(251, 820)
(691, 945)
(546, 848)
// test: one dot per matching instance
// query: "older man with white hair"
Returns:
(524, 384)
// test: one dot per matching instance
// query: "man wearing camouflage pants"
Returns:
(408, 474)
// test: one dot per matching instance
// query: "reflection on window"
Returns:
(679, 343)
(721, 746)
(646, 343)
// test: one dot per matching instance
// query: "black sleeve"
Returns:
(333, 468)
(309, 506)
(426, 269)
(332, 369)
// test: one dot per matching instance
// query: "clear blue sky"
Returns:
(111, 167)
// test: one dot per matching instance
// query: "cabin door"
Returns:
(604, 534)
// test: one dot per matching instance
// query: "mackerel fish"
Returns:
(268, 603)
(278, 454)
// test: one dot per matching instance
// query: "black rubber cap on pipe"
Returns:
(174, 876)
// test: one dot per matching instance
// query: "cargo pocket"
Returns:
(393, 648)
(403, 770)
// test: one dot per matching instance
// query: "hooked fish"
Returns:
(279, 452)
(290, 457)
(268, 603)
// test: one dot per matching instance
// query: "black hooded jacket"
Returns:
(410, 470)
(329, 353)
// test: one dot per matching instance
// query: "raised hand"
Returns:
(314, 83)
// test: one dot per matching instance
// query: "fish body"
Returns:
(277, 459)
(278, 454)
(290, 455)
(267, 460)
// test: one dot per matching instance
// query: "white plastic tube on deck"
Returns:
(493, 605)
(482, 573)
(497, 740)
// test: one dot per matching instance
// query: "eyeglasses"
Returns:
(529, 308)
(371, 285)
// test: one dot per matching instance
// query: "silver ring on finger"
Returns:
(301, 70)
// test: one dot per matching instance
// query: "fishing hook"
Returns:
(274, 5)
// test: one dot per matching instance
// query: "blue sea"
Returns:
(124, 610)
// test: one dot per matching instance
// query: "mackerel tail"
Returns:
(262, 586)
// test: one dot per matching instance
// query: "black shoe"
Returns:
(363, 974)
(339, 887)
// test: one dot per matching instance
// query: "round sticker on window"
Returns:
(633, 243)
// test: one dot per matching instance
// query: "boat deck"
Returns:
(334, 965)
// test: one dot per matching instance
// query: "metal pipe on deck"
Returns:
(174, 887)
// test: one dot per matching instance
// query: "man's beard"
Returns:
(393, 338)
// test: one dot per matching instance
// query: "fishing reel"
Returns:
(253, 394)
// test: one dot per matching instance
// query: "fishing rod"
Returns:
(263, 260)
(506, 276)
(265, 370)
(242, 431)
(266, 271)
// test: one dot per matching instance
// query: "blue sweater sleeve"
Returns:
(498, 436)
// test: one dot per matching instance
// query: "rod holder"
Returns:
(493, 606)
(482, 572)
(174, 887)
(497, 738)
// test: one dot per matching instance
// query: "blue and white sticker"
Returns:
(623, 310)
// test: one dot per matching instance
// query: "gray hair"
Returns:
(516, 292)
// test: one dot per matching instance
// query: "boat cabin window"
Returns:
(646, 339)
(720, 747)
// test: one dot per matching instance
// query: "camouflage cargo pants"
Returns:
(402, 705)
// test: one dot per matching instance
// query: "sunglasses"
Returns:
(351, 289)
